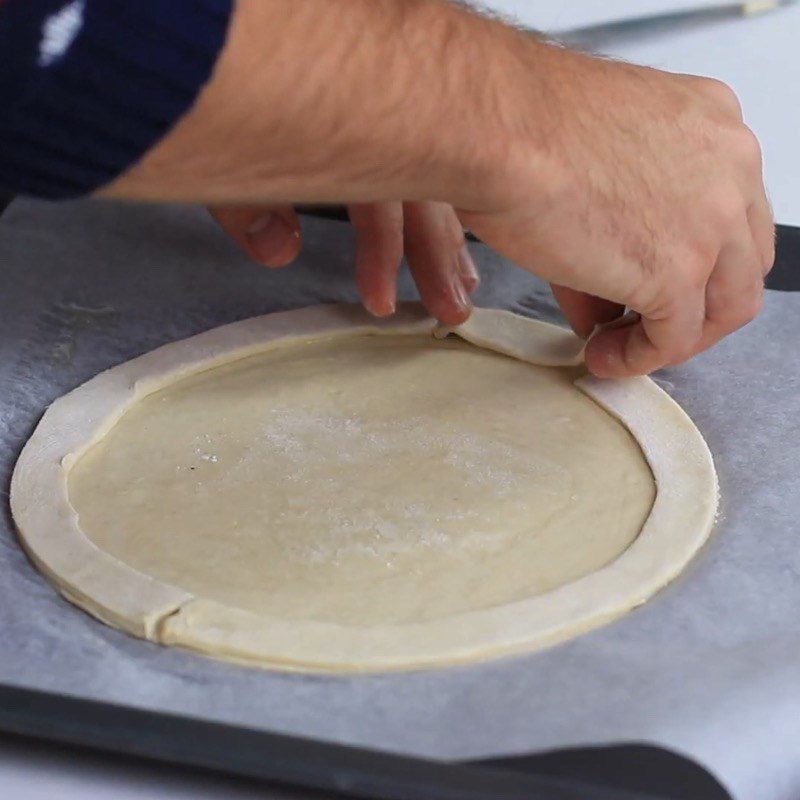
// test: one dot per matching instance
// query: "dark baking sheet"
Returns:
(291, 762)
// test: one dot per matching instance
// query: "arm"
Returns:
(622, 185)
(342, 100)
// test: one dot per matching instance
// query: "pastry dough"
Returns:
(316, 490)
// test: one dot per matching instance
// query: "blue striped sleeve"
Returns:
(88, 86)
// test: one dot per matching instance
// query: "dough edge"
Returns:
(679, 523)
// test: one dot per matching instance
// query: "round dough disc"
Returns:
(314, 490)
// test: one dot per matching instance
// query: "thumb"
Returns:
(270, 235)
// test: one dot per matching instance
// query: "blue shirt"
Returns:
(88, 86)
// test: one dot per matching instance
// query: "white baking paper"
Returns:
(710, 667)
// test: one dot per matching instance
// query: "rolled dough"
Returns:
(314, 490)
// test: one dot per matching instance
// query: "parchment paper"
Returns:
(710, 667)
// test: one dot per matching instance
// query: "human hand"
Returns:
(621, 185)
(644, 190)
(428, 233)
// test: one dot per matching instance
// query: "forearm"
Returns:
(344, 100)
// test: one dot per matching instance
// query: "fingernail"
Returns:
(384, 309)
(260, 223)
(468, 270)
(460, 293)
(272, 239)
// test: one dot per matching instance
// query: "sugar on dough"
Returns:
(315, 490)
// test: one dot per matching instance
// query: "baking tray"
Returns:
(610, 772)
(336, 771)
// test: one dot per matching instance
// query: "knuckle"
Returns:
(727, 207)
(747, 309)
(768, 257)
(693, 271)
(748, 149)
(722, 95)
(662, 304)
(648, 296)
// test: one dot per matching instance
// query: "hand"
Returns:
(621, 185)
(648, 194)
(429, 233)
